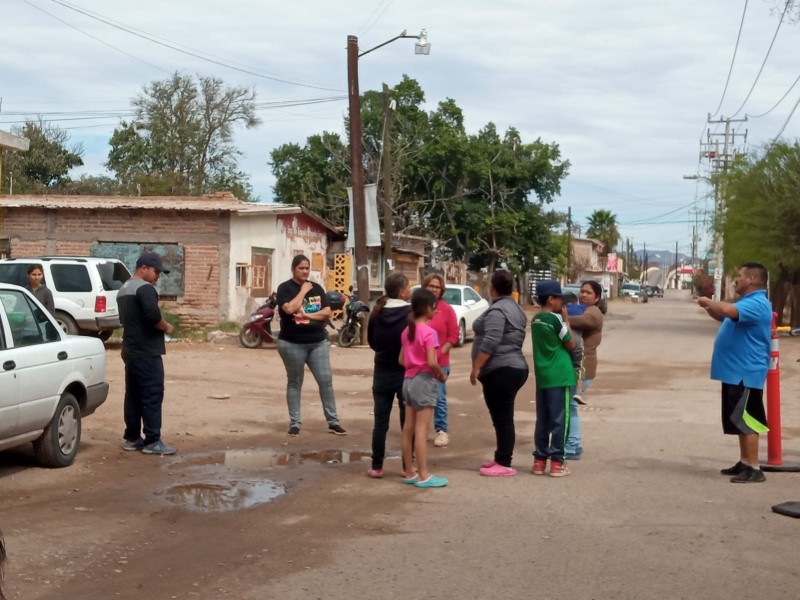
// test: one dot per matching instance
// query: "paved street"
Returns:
(644, 514)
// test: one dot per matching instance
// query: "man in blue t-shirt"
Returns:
(740, 361)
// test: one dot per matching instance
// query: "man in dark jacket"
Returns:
(142, 349)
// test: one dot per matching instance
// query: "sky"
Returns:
(624, 88)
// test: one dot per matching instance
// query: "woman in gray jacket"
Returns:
(498, 363)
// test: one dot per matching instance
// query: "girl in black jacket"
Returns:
(388, 320)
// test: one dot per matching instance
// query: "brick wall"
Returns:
(72, 232)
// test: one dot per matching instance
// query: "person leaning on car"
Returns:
(142, 348)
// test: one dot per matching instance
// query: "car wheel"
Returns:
(67, 323)
(462, 334)
(59, 443)
(105, 335)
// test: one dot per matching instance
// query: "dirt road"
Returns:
(245, 512)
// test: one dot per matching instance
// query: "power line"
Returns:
(786, 122)
(97, 39)
(362, 31)
(733, 59)
(791, 87)
(63, 116)
(666, 214)
(764, 62)
(174, 47)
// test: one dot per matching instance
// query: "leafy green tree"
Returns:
(482, 194)
(762, 199)
(180, 141)
(603, 227)
(45, 166)
(314, 176)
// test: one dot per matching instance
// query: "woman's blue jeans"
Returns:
(317, 357)
(440, 412)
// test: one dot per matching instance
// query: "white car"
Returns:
(468, 306)
(84, 289)
(49, 380)
(631, 289)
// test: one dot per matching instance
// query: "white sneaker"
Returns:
(442, 439)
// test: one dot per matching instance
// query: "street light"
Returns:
(356, 159)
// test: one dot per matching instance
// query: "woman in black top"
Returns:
(303, 340)
(37, 287)
(388, 320)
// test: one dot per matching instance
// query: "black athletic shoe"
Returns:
(736, 469)
(294, 430)
(749, 475)
(337, 429)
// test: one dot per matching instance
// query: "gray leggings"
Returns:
(295, 357)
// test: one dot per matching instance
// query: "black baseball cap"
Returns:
(151, 259)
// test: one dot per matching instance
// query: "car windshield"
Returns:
(631, 286)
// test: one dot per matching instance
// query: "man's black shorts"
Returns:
(742, 410)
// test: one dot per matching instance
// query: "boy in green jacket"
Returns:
(552, 364)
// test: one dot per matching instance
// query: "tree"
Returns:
(762, 199)
(180, 140)
(603, 227)
(46, 164)
(481, 194)
(314, 176)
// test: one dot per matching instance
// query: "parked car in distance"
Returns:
(575, 288)
(655, 291)
(84, 289)
(49, 380)
(468, 306)
(631, 289)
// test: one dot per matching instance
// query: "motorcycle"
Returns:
(258, 327)
(350, 331)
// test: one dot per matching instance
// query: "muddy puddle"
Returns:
(239, 481)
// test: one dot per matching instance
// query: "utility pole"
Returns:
(720, 161)
(643, 284)
(357, 172)
(388, 200)
(676, 265)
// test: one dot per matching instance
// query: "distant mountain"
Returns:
(662, 257)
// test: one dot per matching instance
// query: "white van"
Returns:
(84, 289)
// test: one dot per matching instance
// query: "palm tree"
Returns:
(603, 227)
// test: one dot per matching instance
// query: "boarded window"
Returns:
(169, 284)
(317, 261)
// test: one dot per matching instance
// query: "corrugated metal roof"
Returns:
(212, 202)
(219, 202)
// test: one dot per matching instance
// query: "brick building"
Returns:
(225, 255)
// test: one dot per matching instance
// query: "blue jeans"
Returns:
(317, 356)
(574, 443)
(386, 386)
(144, 395)
(440, 412)
(552, 423)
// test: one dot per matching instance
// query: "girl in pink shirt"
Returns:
(422, 372)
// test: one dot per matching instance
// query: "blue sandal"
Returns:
(432, 482)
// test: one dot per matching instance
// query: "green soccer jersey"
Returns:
(551, 361)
